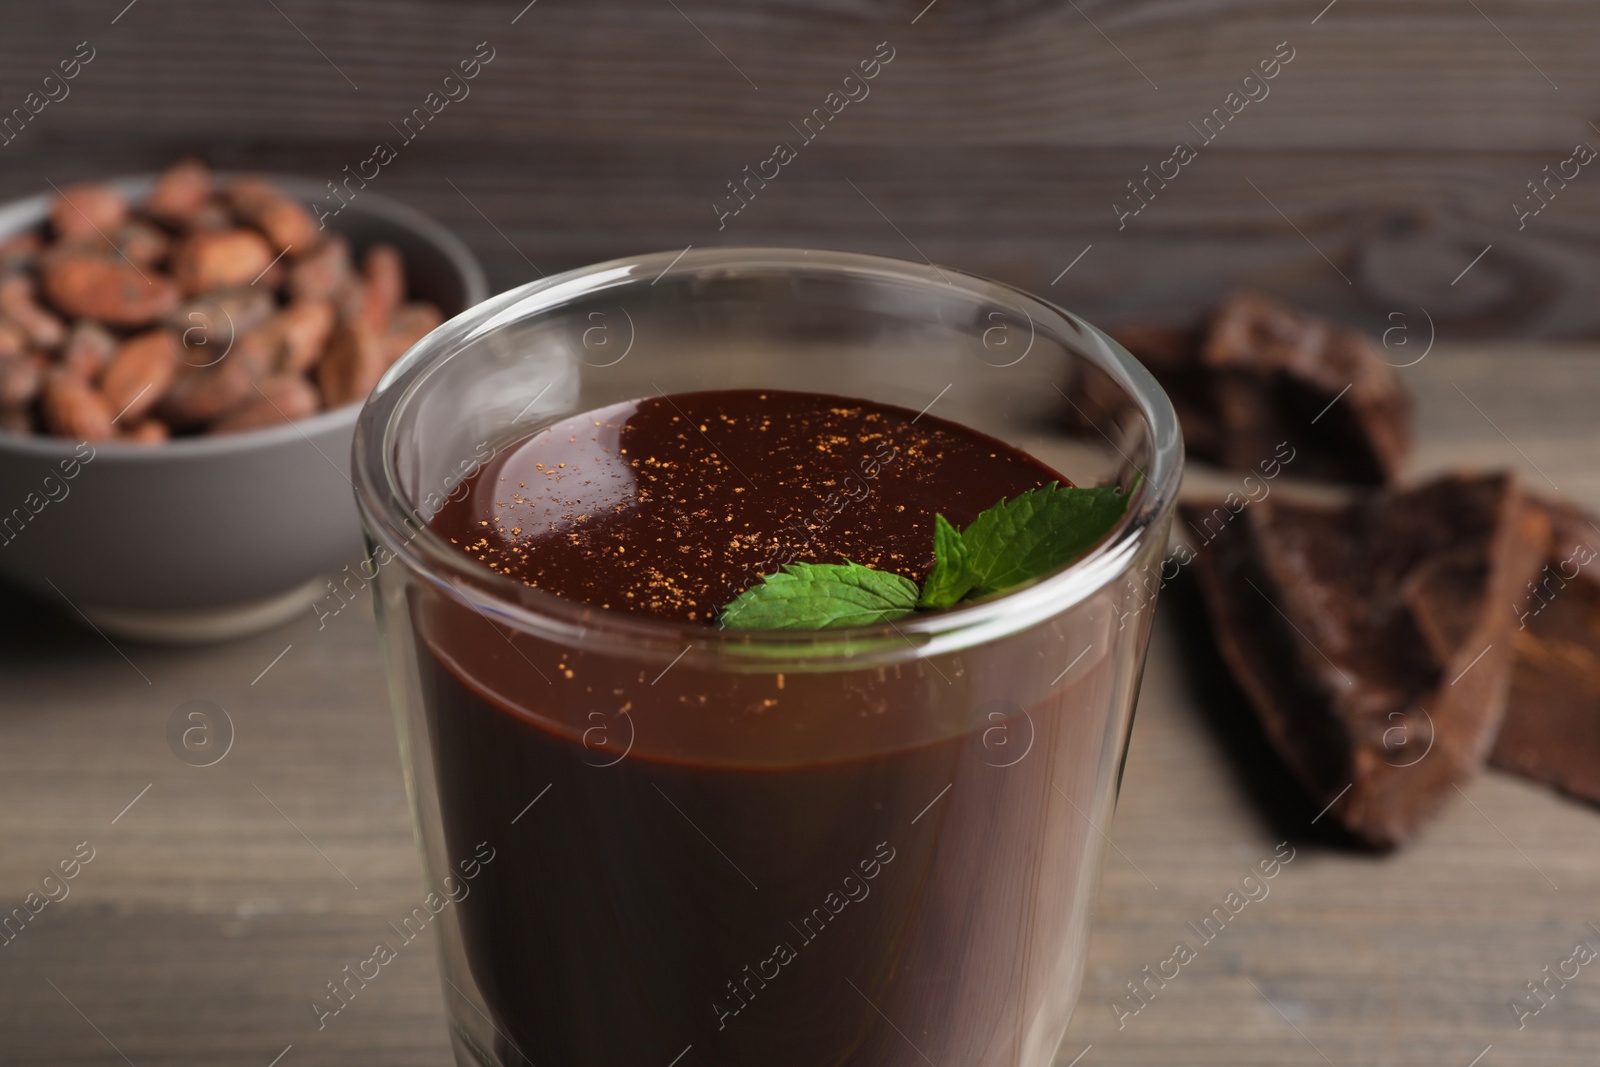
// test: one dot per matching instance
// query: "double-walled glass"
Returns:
(648, 842)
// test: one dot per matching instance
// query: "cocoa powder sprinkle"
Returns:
(675, 524)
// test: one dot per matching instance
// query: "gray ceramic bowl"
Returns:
(206, 538)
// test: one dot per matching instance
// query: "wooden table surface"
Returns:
(1393, 153)
(220, 899)
(1004, 136)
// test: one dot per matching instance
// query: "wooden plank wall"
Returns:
(1384, 157)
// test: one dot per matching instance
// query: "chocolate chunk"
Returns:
(1373, 638)
(1259, 373)
(1551, 731)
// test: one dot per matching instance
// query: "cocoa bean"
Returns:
(17, 304)
(181, 192)
(286, 222)
(146, 432)
(249, 194)
(19, 251)
(21, 378)
(88, 350)
(140, 372)
(299, 333)
(206, 261)
(351, 364)
(141, 242)
(71, 407)
(87, 286)
(13, 339)
(258, 350)
(383, 277)
(210, 324)
(324, 273)
(350, 302)
(273, 277)
(227, 359)
(279, 399)
(16, 420)
(199, 396)
(212, 217)
(408, 326)
(85, 211)
(288, 225)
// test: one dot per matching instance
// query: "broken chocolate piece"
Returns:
(1372, 638)
(1551, 731)
(1259, 373)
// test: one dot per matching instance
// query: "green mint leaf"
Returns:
(821, 596)
(1035, 533)
(1011, 543)
(952, 575)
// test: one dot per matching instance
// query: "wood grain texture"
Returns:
(1433, 75)
(1387, 155)
(209, 919)
(1360, 237)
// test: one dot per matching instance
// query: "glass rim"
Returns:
(393, 521)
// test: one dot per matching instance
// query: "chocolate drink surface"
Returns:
(876, 867)
(671, 506)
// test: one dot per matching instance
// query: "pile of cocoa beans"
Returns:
(209, 308)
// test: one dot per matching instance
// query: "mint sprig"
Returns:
(952, 577)
(1031, 535)
(1013, 542)
(820, 596)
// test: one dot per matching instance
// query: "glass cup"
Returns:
(648, 842)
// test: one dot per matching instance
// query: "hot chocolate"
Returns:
(685, 862)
